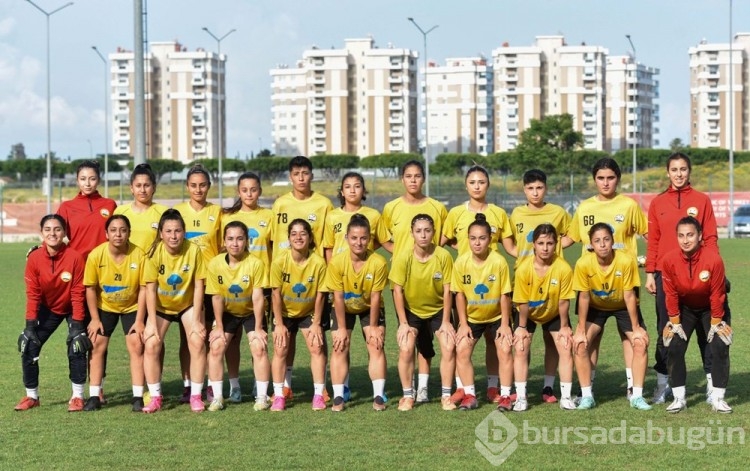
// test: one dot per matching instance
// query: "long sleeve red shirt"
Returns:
(695, 281)
(665, 211)
(85, 217)
(55, 282)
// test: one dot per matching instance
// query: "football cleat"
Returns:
(521, 405)
(469, 402)
(548, 395)
(93, 403)
(318, 403)
(27, 403)
(567, 403)
(75, 404)
(504, 404)
(676, 406)
(196, 403)
(639, 403)
(153, 405)
(216, 405)
(406, 403)
(586, 403)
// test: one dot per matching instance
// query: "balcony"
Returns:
(198, 81)
(318, 80)
(397, 78)
(397, 118)
(396, 105)
(320, 133)
(319, 118)
(199, 96)
(198, 122)
(319, 105)
(199, 148)
(199, 135)
(396, 132)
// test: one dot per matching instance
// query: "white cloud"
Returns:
(7, 25)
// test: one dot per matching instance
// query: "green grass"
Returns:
(239, 438)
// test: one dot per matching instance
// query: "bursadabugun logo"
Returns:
(496, 438)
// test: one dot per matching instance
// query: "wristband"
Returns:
(521, 327)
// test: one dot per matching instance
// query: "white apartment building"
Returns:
(711, 93)
(182, 102)
(632, 111)
(459, 99)
(551, 78)
(359, 100)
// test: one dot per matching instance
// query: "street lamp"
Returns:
(106, 122)
(731, 128)
(219, 105)
(49, 115)
(635, 114)
(426, 113)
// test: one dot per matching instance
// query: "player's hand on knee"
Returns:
(723, 330)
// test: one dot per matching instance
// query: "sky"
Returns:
(273, 32)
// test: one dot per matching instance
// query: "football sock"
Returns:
(717, 394)
(78, 390)
(346, 381)
(278, 389)
(408, 392)
(32, 393)
(234, 383)
(318, 388)
(288, 377)
(679, 392)
(492, 381)
(586, 391)
(469, 390)
(186, 382)
(261, 388)
(154, 389)
(459, 384)
(565, 389)
(94, 390)
(662, 381)
(422, 380)
(338, 390)
(709, 381)
(629, 376)
(521, 389)
(378, 386)
(196, 388)
(218, 388)
(445, 391)
(137, 391)
(549, 381)
(505, 390)
(637, 392)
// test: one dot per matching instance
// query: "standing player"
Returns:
(678, 201)
(203, 228)
(297, 281)
(627, 221)
(174, 275)
(524, 220)
(422, 297)
(542, 292)
(456, 234)
(87, 213)
(397, 217)
(481, 281)
(54, 294)
(695, 294)
(113, 293)
(235, 281)
(357, 279)
(301, 203)
(142, 213)
(605, 281)
(258, 221)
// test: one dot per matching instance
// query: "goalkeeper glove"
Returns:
(670, 330)
(723, 330)
(78, 340)
(28, 336)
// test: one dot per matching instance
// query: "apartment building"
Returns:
(182, 102)
(459, 98)
(359, 100)
(712, 91)
(632, 111)
(552, 77)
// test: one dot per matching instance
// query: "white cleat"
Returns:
(676, 406)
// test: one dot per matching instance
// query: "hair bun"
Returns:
(480, 217)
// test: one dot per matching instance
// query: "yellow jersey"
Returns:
(524, 219)
(258, 224)
(606, 288)
(357, 286)
(334, 234)
(117, 284)
(202, 227)
(287, 208)
(397, 216)
(543, 293)
(458, 221)
(423, 282)
(622, 213)
(174, 276)
(236, 284)
(144, 225)
(298, 283)
(482, 284)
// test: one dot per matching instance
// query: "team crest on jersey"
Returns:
(310, 279)
(620, 218)
(553, 281)
(246, 278)
(704, 275)
(618, 273)
(437, 276)
(133, 266)
(368, 276)
(262, 223)
(312, 218)
(493, 229)
(186, 268)
(211, 218)
(692, 211)
(155, 226)
(104, 212)
(491, 278)
(66, 276)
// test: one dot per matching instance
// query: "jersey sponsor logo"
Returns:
(66, 276)
(285, 244)
(173, 280)
(602, 293)
(533, 304)
(104, 212)
(112, 289)
(620, 218)
(481, 289)
(252, 233)
(704, 276)
(193, 235)
(235, 289)
(437, 276)
(692, 211)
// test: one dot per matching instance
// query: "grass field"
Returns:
(238, 438)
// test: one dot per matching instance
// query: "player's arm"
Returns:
(509, 244)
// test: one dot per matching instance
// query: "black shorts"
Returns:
(176, 317)
(208, 309)
(294, 324)
(426, 329)
(325, 318)
(364, 320)
(477, 330)
(621, 315)
(549, 326)
(232, 323)
(110, 319)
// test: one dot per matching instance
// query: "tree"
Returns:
(548, 143)
(389, 164)
(676, 144)
(269, 168)
(162, 167)
(330, 165)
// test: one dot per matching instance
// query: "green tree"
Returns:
(389, 164)
(269, 168)
(548, 143)
(162, 167)
(330, 165)
(676, 144)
